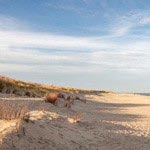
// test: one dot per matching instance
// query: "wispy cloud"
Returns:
(45, 40)
(125, 24)
(27, 49)
(11, 23)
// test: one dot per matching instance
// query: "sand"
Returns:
(105, 122)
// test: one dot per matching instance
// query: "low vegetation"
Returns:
(8, 111)
(51, 98)
(28, 89)
(76, 118)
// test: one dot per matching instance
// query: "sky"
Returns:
(88, 44)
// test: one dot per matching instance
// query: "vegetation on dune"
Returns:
(51, 98)
(21, 88)
(8, 111)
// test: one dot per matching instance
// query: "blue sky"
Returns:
(91, 44)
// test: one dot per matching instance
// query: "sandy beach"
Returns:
(106, 121)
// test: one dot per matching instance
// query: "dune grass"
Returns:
(21, 88)
(8, 111)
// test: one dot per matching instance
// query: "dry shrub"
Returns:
(69, 103)
(80, 99)
(68, 98)
(51, 98)
(10, 111)
(77, 98)
(76, 118)
(28, 93)
(61, 95)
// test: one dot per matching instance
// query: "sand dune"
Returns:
(106, 121)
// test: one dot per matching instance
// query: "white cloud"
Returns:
(121, 30)
(26, 49)
(42, 40)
